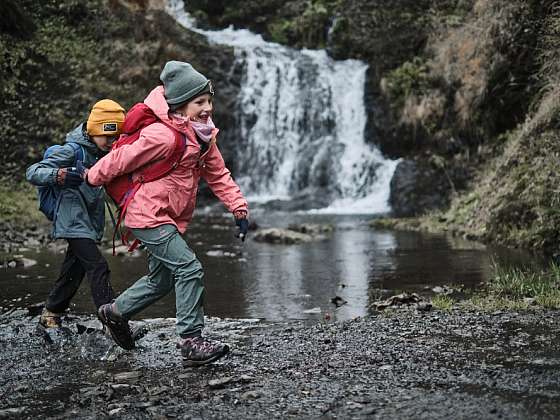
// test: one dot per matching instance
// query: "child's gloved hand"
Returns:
(68, 177)
(82, 170)
(242, 223)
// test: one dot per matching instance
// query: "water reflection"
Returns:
(279, 282)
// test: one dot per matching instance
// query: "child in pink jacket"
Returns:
(160, 211)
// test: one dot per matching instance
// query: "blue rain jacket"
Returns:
(81, 211)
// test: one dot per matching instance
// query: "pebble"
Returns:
(220, 382)
(127, 376)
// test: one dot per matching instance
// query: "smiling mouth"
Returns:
(202, 118)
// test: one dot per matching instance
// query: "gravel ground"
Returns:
(457, 364)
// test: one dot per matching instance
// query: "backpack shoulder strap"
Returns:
(161, 168)
(79, 152)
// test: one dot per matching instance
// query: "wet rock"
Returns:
(302, 201)
(133, 376)
(417, 187)
(19, 261)
(32, 243)
(283, 236)
(398, 300)
(443, 290)
(116, 411)
(117, 387)
(83, 329)
(424, 306)
(338, 301)
(220, 382)
(530, 301)
(251, 395)
(12, 412)
(311, 228)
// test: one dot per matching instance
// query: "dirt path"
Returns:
(408, 364)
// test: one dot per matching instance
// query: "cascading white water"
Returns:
(302, 118)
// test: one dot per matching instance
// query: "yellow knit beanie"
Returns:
(105, 119)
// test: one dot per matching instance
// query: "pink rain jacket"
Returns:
(170, 199)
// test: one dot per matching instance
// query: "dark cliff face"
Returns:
(60, 57)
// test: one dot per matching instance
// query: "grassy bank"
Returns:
(19, 206)
(511, 288)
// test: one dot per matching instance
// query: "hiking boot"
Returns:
(116, 325)
(198, 351)
(50, 319)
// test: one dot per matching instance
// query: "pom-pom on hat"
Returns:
(182, 83)
(105, 119)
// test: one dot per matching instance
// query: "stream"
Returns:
(285, 282)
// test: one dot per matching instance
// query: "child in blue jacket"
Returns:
(79, 217)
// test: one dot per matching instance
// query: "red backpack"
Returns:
(123, 188)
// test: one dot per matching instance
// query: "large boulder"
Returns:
(417, 188)
(284, 236)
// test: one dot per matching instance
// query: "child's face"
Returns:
(199, 109)
(104, 143)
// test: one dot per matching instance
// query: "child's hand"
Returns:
(82, 170)
(68, 177)
(242, 223)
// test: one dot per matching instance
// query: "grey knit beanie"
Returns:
(182, 83)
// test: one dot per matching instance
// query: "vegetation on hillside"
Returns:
(59, 57)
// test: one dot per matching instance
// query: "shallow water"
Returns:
(280, 282)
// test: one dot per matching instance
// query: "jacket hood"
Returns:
(79, 135)
(157, 103)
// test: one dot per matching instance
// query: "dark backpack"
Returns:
(49, 194)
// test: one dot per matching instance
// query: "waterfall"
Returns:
(302, 120)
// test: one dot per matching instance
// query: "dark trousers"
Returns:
(82, 258)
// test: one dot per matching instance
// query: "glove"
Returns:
(242, 223)
(82, 170)
(68, 177)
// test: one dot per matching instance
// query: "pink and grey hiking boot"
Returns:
(116, 325)
(198, 351)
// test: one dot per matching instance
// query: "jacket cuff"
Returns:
(52, 177)
(243, 207)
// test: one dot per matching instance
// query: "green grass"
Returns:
(519, 288)
(520, 283)
(493, 303)
(19, 206)
(443, 302)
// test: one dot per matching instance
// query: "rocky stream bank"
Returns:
(399, 364)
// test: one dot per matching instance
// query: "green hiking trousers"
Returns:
(172, 264)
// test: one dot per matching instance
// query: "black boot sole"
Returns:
(116, 338)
